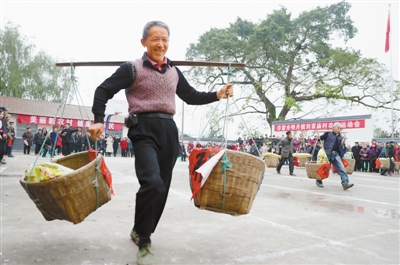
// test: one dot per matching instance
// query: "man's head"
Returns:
(7, 117)
(39, 131)
(337, 127)
(28, 129)
(356, 143)
(289, 134)
(156, 40)
(67, 125)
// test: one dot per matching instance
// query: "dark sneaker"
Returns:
(291, 174)
(145, 256)
(135, 237)
(278, 171)
(319, 183)
(347, 186)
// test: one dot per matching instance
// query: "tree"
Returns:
(24, 74)
(292, 68)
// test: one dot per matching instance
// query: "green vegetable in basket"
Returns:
(46, 171)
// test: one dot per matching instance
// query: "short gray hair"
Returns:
(337, 124)
(151, 24)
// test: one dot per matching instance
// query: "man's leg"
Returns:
(291, 165)
(337, 162)
(280, 164)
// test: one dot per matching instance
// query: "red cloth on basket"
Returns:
(323, 170)
(103, 168)
(345, 164)
(377, 163)
(296, 161)
(196, 159)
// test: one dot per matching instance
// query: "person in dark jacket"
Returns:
(27, 136)
(364, 158)
(285, 149)
(356, 154)
(388, 152)
(67, 139)
(151, 84)
(38, 140)
(333, 145)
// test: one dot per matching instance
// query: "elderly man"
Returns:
(285, 149)
(333, 145)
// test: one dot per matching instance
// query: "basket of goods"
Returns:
(70, 188)
(318, 169)
(396, 166)
(384, 163)
(303, 158)
(224, 181)
(348, 163)
(271, 159)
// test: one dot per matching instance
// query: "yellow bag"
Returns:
(321, 156)
(46, 171)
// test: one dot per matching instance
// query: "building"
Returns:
(39, 114)
(358, 128)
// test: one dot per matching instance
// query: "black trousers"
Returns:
(156, 147)
(282, 161)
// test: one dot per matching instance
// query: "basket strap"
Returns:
(225, 164)
(95, 181)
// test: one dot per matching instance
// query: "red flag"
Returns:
(387, 34)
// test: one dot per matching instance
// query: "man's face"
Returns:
(289, 136)
(157, 43)
(337, 129)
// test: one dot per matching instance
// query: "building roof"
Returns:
(355, 117)
(49, 109)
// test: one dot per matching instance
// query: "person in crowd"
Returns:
(373, 153)
(59, 145)
(44, 131)
(38, 140)
(356, 155)
(3, 136)
(285, 148)
(190, 147)
(388, 152)
(315, 149)
(101, 144)
(109, 148)
(54, 138)
(78, 141)
(253, 149)
(67, 139)
(130, 147)
(183, 152)
(264, 149)
(364, 158)
(124, 146)
(27, 136)
(333, 145)
(11, 140)
(116, 144)
(47, 145)
(152, 129)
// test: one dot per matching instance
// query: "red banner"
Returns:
(43, 120)
(319, 126)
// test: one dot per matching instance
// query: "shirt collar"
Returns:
(166, 61)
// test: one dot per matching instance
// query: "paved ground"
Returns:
(292, 221)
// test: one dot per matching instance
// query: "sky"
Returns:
(111, 30)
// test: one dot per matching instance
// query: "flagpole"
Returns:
(391, 76)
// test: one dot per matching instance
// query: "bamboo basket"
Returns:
(396, 166)
(243, 181)
(271, 161)
(302, 161)
(71, 197)
(349, 168)
(311, 169)
(385, 163)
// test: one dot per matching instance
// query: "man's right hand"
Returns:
(96, 130)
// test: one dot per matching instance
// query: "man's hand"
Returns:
(225, 91)
(96, 130)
